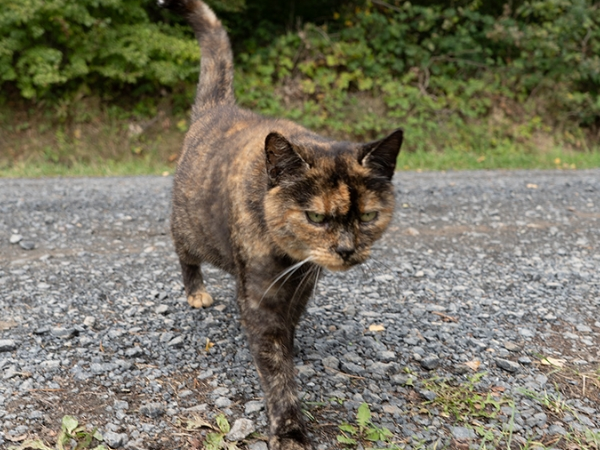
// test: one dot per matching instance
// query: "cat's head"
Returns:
(329, 201)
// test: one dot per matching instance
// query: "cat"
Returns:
(272, 203)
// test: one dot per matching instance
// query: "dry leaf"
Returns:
(498, 388)
(209, 344)
(549, 361)
(375, 327)
(532, 186)
(7, 325)
(473, 365)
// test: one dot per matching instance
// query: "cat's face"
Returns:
(330, 202)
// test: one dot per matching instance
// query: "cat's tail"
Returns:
(215, 86)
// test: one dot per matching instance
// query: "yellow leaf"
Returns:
(209, 344)
(532, 186)
(557, 161)
(376, 327)
(549, 361)
(481, 159)
(473, 365)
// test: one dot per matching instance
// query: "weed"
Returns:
(464, 402)
(72, 436)
(365, 430)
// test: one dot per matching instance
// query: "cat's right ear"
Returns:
(281, 158)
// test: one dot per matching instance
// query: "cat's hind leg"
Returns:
(193, 283)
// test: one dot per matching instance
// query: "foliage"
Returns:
(365, 430)
(72, 436)
(464, 402)
(50, 48)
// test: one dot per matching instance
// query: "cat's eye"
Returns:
(368, 216)
(315, 217)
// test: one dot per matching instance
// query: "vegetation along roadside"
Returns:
(103, 88)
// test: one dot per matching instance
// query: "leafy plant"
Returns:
(364, 430)
(72, 436)
(215, 440)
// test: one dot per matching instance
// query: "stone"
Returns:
(258, 445)
(115, 440)
(430, 362)
(462, 433)
(15, 238)
(305, 371)
(253, 407)
(27, 245)
(153, 410)
(505, 364)
(7, 345)
(512, 347)
(331, 362)
(428, 395)
(162, 309)
(222, 402)
(241, 429)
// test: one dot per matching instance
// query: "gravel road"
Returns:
(494, 273)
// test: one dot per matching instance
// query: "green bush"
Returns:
(50, 48)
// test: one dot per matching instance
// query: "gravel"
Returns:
(485, 270)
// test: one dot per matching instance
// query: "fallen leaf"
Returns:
(376, 327)
(532, 186)
(7, 325)
(173, 157)
(209, 345)
(549, 361)
(498, 388)
(197, 422)
(473, 365)
(481, 159)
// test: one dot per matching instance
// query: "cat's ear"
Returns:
(380, 156)
(282, 159)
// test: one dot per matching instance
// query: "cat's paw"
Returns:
(200, 300)
(279, 443)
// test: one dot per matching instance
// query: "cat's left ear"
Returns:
(281, 158)
(380, 156)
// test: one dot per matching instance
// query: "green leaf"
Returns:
(363, 417)
(348, 428)
(223, 424)
(345, 439)
(69, 423)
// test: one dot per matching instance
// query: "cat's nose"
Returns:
(345, 251)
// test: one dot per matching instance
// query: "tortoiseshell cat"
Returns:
(271, 203)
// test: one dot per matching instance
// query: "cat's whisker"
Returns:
(314, 292)
(306, 276)
(290, 270)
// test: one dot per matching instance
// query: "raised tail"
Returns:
(215, 86)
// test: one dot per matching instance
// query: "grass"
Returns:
(103, 140)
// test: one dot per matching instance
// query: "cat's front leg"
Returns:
(271, 337)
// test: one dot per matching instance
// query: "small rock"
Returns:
(428, 395)
(512, 347)
(206, 374)
(133, 351)
(27, 245)
(162, 309)
(526, 332)
(15, 238)
(557, 429)
(241, 429)
(583, 329)
(253, 406)
(121, 404)
(258, 445)
(305, 371)
(222, 402)
(115, 440)
(65, 333)
(7, 345)
(509, 366)
(430, 362)
(331, 362)
(462, 433)
(400, 379)
(153, 410)
(176, 342)
(89, 321)
(525, 360)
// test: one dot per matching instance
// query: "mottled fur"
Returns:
(256, 197)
